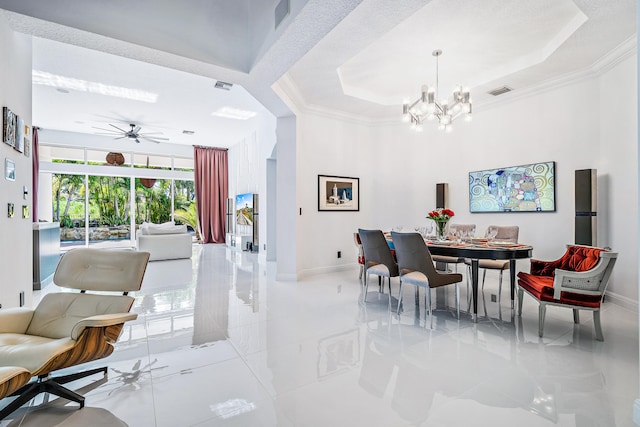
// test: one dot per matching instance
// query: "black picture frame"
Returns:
(338, 193)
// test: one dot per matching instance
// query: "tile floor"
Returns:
(219, 342)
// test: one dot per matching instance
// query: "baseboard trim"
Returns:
(622, 301)
(328, 270)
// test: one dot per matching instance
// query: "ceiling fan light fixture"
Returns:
(134, 133)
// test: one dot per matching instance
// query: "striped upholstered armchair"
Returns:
(578, 281)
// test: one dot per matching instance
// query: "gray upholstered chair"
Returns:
(469, 230)
(71, 328)
(503, 233)
(416, 268)
(378, 259)
(358, 243)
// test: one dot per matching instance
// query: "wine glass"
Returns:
(491, 233)
(428, 229)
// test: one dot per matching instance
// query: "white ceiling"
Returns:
(359, 57)
(382, 52)
(185, 101)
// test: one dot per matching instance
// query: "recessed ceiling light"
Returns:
(65, 83)
(62, 90)
(234, 113)
(188, 132)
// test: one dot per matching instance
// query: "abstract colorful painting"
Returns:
(525, 188)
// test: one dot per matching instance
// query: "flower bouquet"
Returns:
(441, 217)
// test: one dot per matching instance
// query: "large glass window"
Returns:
(185, 205)
(96, 195)
(109, 211)
(68, 205)
(153, 200)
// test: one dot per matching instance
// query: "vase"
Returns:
(440, 229)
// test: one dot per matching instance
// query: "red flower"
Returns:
(441, 214)
(448, 212)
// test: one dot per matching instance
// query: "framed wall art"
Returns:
(9, 170)
(19, 145)
(338, 193)
(9, 126)
(524, 188)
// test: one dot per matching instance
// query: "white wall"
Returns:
(618, 175)
(248, 167)
(288, 232)
(398, 170)
(17, 247)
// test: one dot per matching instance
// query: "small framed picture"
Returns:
(338, 193)
(9, 170)
(9, 126)
(19, 145)
(25, 211)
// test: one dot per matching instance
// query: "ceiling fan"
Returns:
(133, 133)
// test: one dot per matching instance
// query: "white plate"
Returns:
(499, 243)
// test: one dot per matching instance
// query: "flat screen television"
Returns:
(244, 209)
(524, 188)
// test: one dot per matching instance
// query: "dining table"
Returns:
(475, 251)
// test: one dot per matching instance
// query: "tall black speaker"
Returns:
(255, 242)
(442, 195)
(586, 206)
(229, 225)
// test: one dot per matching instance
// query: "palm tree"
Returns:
(189, 216)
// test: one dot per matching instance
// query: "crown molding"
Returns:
(623, 51)
(287, 89)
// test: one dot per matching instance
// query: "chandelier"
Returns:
(427, 106)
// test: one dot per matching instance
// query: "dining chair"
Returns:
(503, 233)
(358, 242)
(455, 229)
(378, 259)
(416, 267)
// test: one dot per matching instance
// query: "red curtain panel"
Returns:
(212, 189)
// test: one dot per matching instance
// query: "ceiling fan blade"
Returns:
(120, 137)
(121, 130)
(137, 140)
(150, 133)
(156, 140)
(106, 130)
(137, 129)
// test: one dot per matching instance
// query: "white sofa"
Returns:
(164, 241)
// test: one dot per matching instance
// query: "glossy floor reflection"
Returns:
(219, 342)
